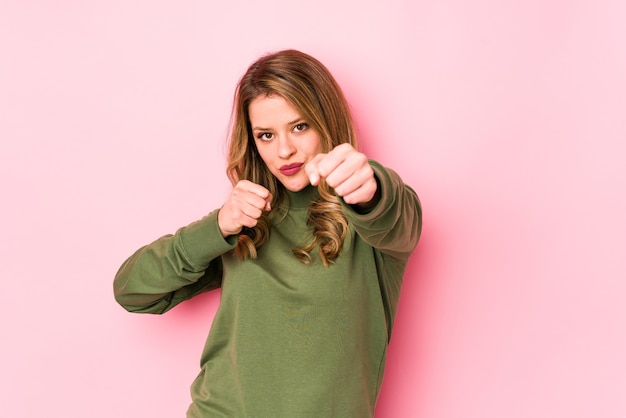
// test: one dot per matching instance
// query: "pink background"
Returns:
(507, 117)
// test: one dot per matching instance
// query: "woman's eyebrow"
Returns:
(257, 128)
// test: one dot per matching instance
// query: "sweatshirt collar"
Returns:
(302, 199)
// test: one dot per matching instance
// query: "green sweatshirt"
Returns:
(289, 340)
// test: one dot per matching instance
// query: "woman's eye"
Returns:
(265, 136)
(300, 127)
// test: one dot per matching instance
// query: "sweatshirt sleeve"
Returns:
(173, 268)
(392, 227)
(394, 224)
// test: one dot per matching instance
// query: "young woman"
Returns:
(309, 251)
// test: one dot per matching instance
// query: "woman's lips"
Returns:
(290, 169)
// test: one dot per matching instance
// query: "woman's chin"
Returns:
(294, 184)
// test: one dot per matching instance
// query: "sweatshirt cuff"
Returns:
(202, 240)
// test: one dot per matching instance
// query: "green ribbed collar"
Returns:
(302, 199)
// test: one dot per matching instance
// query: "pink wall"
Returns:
(507, 117)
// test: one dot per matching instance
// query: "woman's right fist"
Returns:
(243, 208)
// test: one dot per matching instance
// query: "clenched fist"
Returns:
(243, 208)
(347, 171)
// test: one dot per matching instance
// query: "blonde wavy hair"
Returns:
(309, 86)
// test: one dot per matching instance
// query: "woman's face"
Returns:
(285, 141)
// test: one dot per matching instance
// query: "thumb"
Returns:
(312, 169)
(268, 202)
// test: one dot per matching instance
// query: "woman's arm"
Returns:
(392, 222)
(173, 268)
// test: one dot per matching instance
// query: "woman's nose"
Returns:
(285, 146)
